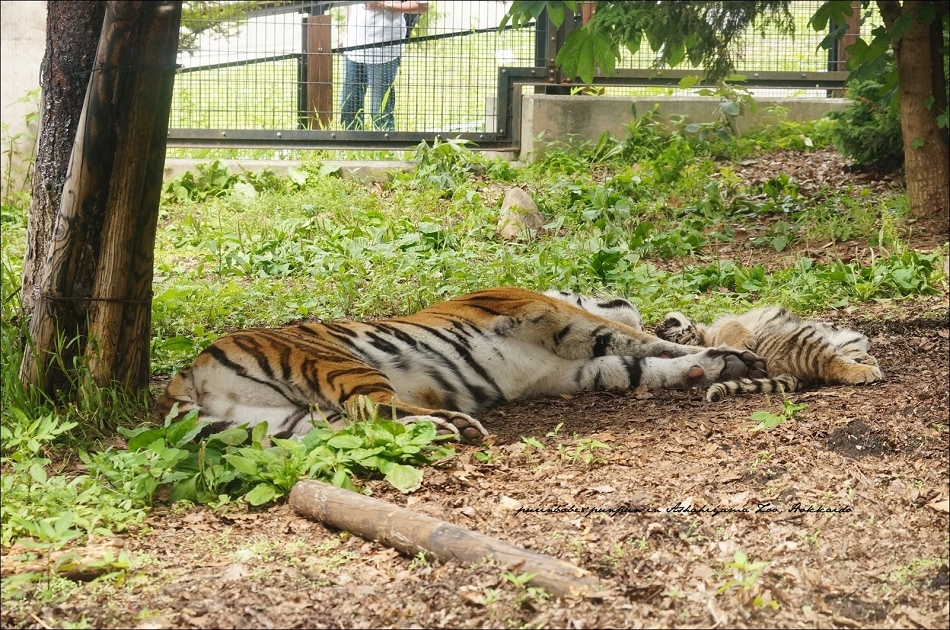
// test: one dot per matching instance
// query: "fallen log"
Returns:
(410, 533)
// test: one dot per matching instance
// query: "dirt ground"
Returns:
(876, 454)
(840, 513)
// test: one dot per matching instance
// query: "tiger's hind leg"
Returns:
(459, 425)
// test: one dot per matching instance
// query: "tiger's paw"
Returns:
(862, 374)
(725, 364)
(468, 428)
(460, 426)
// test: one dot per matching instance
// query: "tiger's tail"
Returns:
(780, 383)
(181, 389)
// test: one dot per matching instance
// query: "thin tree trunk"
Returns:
(72, 35)
(926, 151)
(120, 315)
(123, 123)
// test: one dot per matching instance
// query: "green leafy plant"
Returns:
(766, 420)
(868, 130)
(744, 575)
(222, 466)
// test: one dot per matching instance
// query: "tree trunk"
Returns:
(110, 197)
(72, 34)
(120, 316)
(926, 150)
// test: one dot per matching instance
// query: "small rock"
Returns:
(508, 503)
(519, 215)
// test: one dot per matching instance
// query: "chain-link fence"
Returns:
(309, 74)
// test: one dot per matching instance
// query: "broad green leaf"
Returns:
(178, 344)
(340, 477)
(731, 108)
(583, 52)
(258, 431)
(243, 465)
(245, 190)
(674, 54)
(145, 438)
(404, 478)
(261, 494)
(231, 437)
(296, 175)
(186, 490)
(345, 442)
(688, 82)
(184, 431)
(38, 473)
(837, 11)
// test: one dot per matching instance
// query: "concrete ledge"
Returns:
(547, 119)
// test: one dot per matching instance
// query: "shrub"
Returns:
(868, 131)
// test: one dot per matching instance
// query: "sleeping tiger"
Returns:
(441, 364)
(796, 351)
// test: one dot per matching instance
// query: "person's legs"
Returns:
(353, 93)
(382, 93)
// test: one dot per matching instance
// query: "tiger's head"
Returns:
(678, 328)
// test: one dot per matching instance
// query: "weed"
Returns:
(766, 420)
(585, 450)
(527, 595)
(762, 457)
(744, 576)
(220, 464)
(484, 454)
(419, 560)
(914, 573)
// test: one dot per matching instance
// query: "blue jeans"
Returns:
(379, 77)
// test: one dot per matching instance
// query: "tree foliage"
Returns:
(704, 34)
(709, 35)
(221, 18)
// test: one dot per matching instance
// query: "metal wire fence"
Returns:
(276, 73)
(256, 78)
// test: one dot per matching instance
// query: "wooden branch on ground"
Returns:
(410, 533)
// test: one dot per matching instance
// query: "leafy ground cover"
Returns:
(672, 497)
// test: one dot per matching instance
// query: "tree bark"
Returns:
(410, 533)
(123, 124)
(920, 80)
(72, 35)
(120, 315)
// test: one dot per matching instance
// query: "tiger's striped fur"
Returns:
(440, 364)
(796, 351)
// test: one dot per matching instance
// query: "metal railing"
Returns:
(274, 79)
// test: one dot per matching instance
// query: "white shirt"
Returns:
(368, 26)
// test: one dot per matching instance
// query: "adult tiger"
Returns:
(440, 364)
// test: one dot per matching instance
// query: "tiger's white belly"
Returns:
(509, 369)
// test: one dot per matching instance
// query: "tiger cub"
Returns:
(440, 364)
(796, 351)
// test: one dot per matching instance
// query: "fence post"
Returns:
(319, 51)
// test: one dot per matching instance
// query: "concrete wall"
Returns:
(548, 119)
(22, 45)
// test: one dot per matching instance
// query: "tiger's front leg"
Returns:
(700, 369)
